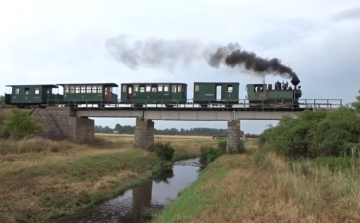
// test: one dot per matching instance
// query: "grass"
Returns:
(186, 147)
(261, 187)
(42, 179)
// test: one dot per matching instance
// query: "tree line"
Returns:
(129, 129)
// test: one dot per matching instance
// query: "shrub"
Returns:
(315, 134)
(17, 125)
(222, 146)
(163, 151)
(209, 154)
(242, 146)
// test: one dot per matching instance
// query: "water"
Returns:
(142, 202)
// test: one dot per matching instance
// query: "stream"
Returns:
(140, 203)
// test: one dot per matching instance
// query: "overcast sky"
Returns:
(64, 41)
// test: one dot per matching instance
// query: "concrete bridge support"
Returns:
(144, 133)
(233, 137)
(62, 123)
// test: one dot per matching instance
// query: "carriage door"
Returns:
(218, 92)
(129, 92)
(107, 93)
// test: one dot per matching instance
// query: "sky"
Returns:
(65, 41)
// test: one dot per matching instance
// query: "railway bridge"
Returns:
(74, 123)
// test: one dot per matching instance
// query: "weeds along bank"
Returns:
(42, 179)
(260, 186)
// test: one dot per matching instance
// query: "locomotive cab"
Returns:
(282, 95)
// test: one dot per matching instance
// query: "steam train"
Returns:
(206, 94)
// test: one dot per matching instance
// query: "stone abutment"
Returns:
(62, 123)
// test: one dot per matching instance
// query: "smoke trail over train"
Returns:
(159, 53)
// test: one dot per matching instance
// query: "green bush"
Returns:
(163, 151)
(222, 146)
(242, 146)
(316, 133)
(209, 154)
(17, 125)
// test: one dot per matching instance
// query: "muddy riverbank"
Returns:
(141, 203)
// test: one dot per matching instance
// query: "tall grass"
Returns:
(260, 186)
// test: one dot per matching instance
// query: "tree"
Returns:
(356, 104)
(18, 124)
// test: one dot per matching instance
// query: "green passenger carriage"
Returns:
(226, 93)
(31, 95)
(89, 93)
(168, 94)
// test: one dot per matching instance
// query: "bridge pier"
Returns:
(233, 137)
(144, 133)
(62, 123)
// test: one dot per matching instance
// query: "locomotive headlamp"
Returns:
(295, 81)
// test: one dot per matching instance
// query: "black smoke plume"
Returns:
(159, 53)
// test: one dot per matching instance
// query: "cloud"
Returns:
(348, 14)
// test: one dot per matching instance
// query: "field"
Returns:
(110, 135)
(41, 179)
(260, 186)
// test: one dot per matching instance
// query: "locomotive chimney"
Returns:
(295, 81)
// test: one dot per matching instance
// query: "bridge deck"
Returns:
(189, 103)
(188, 115)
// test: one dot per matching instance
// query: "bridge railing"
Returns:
(189, 103)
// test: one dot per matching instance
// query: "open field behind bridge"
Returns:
(40, 179)
(113, 135)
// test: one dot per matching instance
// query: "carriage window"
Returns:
(136, 88)
(148, 88)
(230, 88)
(77, 89)
(130, 90)
(173, 88)
(66, 89)
(72, 89)
(106, 90)
(110, 89)
(153, 89)
(197, 88)
(142, 89)
(94, 89)
(17, 91)
(88, 89)
(83, 89)
(27, 91)
(99, 89)
(37, 91)
(124, 88)
(160, 87)
(179, 88)
(166, 87)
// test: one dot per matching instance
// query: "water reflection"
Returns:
(141, 203)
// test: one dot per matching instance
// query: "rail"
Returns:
(189, 103)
